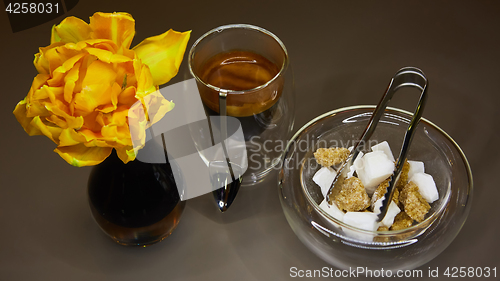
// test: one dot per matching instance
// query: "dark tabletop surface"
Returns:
(342, 52)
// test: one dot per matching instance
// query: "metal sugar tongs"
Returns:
(405, 77)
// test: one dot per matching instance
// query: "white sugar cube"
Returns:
(374, 168)
(391, 212)
(384, 147)
(351, 172)
(324, 178)
(362, 220)
(355, 163)
(426, 186)
(332, 210)
(415, 167)
(376, 204)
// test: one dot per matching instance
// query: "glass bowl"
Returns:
(345, 246)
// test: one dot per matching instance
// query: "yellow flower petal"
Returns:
(85, 62)
(107, 45)
(116, 134)
(58, 121)
(59, 73)
(20, 113)
(71, 121)
(96, 97)
(91, 123)
(112, 94)
(35, 106)
(56, 97)
(90, 98)
(127, 96)
(46, 92)
(37, 83)
(145, 84)
(70, 137)
(137, 123)
(157, 106)
(54, 37)
(100, 119)
(118, 27)
(80, 155)
(89, 135)
(99, 73)
(52, 132)
(51, 57)
(71, 29)
(39, 80)
(99, 143)
(119, 116)
(41, 63)
(163, 54)
(126, 154)
(70, 82)
(107, 56)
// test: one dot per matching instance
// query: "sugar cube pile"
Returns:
(359, 199)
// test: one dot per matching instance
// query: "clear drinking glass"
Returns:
(260, 96)
(345, 246)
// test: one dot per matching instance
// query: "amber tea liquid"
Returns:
(238, 70)
(243, 71)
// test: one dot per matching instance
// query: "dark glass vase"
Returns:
(136, 204)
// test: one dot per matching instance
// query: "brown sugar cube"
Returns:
(382, 228)
(401, 221)
(403, 178)
(382, 189)
(380, 238)
(328, 157)
(352, 196)
(414, 205)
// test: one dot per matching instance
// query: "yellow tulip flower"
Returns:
(88, 80)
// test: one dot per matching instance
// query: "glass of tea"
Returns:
(243, 71)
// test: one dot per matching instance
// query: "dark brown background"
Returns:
(343, 53)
